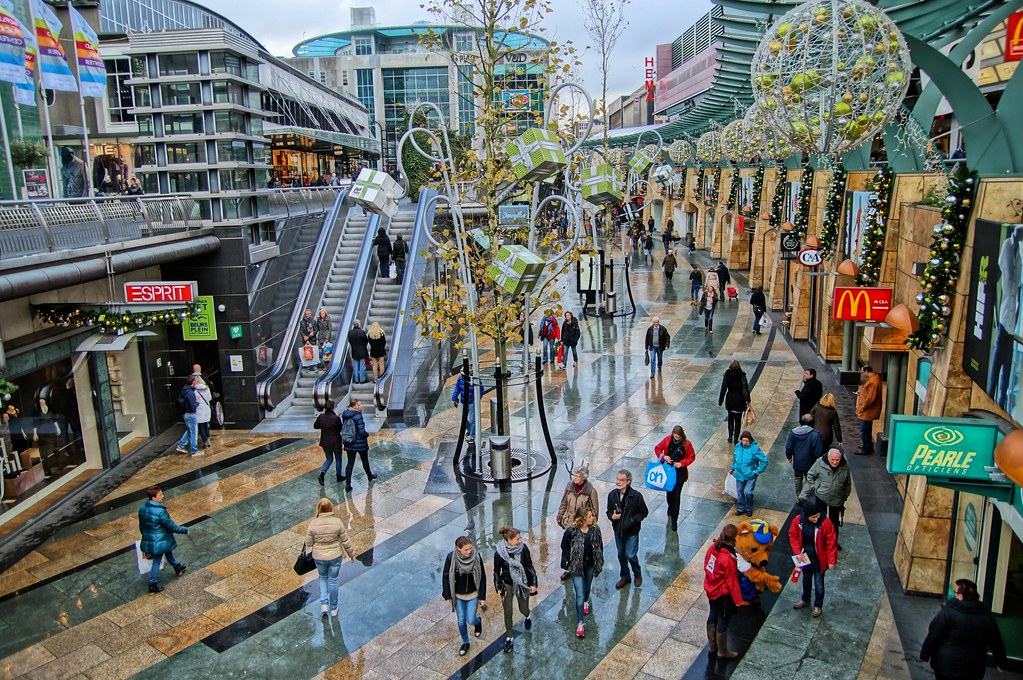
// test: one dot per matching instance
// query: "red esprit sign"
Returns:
(1014, 37)
(160, 292)
(861, 304)
(650, 75)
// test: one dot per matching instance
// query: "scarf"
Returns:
(810, 544)
(513, 557)
(464, 565)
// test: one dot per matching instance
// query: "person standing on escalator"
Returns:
(358, 347)
(399, 253)
(383, 245)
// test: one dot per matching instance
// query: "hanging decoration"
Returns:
(7, 388)
(733, 190)
(715, 190)
(875, 228)
(764, 138)
(801, 220)
(833, 212)
(708, 147)
(679, 191)
(733, 142)
(699, 180)
(829, 74)
(115, 320)
(680, 152)
(758, 188)
(778, 201)
(942, 271)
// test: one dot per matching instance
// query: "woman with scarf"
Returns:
(721, 583)
(514, 579)
(582, 556)
(812, 537)
(464, 581)
(677, 451)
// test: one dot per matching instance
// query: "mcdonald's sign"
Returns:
(861, 304)
(1014, 37)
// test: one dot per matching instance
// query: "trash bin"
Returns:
(500, 458)
(611, 302)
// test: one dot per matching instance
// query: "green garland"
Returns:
(733, 190)
(942, 271)
(875, 228)
(7, 388)
(833, 212)
(699, 181)
(778, 201)
(679, 192)
(113, 320)
(801, 220)
(758, 188)
(717, 187)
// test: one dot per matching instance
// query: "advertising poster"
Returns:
(516, 100)
(857, 203)
(745, 192)
(993, 348)
(791, 200)
(202, 326)
(36, 183)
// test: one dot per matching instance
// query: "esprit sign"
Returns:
(948, 448)
(160, 292)
(810, 257)
(861, 304)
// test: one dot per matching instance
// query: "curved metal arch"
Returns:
(589, 118)
(577, 219)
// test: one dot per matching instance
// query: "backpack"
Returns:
(348, 431)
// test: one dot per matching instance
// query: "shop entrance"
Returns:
(1011, 620)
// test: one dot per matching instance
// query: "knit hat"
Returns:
(811, 508)
(746, 434)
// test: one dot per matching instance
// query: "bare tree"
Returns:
(605, 22)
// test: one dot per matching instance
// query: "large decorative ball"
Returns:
(733, 141)
(708, 147)
(680, 151)
(829, 74)
(616, 156)
(762, 138)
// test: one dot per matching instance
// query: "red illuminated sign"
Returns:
(861, 304)
(1014, 37)
(160, 292)
(650, 74)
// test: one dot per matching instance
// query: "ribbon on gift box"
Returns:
(512, 265)
(640, 161)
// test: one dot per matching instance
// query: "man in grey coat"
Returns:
(830, 480)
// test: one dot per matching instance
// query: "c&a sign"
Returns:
(861, 304)
(946, 448)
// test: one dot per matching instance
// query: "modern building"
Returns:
(686, 67)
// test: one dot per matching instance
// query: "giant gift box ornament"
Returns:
(641, 161)
(600, 185)
(663, 175)
(376, 191)
(517, 269)
(536, 154)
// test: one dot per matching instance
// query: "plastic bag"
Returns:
(730, 487)
(749, 417)
(660, 477)
(145, 563)
(765, 322)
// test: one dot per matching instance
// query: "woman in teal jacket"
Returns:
(749, 462)
(158, 531)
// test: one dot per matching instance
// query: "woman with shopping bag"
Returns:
(677, 451)
(158, 531)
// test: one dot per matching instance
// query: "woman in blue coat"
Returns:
(158, 531)
(749, 461)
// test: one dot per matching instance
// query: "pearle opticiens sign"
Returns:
(949, 448)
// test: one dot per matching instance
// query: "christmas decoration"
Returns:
(942, 271)
(616, 157)
(733, 190)
(715, 190)
(833, 212)
(708, 147)
(115, 319)
(778, 201)
(758, 188)
(829, 74)
(699, 180)
(7, 388)
(734, 143)
(801, 220)
(762, 138)
(680, 152)
(875, 228)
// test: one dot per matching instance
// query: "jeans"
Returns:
(203, 432)
(694, 291)
(359, 370)
(364, 455)
(467, 612)
(191, 433)
(399, 266)
(628, 548)
(470, 422)
(550, 350)
(575, 355)
(867, 435)
(721, 610)
(656, 359)
(331, 456)
(817, 578)
(329, 571)
(745, 492)
(1001, 366)
(708, 318)
(511, 596)
(581, 584)
(756, 320)
(158, 561)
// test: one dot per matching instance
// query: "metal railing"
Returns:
(285, 203)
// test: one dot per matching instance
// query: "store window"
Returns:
(186, 153)
(119, 94)
(967, 538)
(150, 182)
(179, 64)
(145, 154)
(182, 123)
(923, 377)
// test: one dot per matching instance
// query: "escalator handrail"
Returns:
(419, 229)
(286, 355)
(339, 359)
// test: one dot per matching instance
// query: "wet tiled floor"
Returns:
(76, 605)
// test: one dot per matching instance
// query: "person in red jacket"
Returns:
(677, 451)
(813, 538)
(721, 583)
(549, 334)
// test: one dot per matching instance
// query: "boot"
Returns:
(155, 588)
(712, 643)
(723, 653)
(320, 479)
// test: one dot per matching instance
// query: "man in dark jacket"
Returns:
(307, 327)
(960, 635)
(657, 340)
(802, 449)
(358, 349)
(810, 393)
(724, 277)
(399, 253)
(383, 245)
(626, 508)
(158, 536)
(190, 403)
(359, 444)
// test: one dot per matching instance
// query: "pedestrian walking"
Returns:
(695, 284)
(383, 246)
(748, 462)
(802, 450)
(579, 495)
(626, 508)
(464, 393)
(307, 328)
(325, 537)
(669, 263)
(711, 279)
(826, 422)
(812, 538)
(377, 350)
(188, 404)
(329, 425)
(960, 635)
(735, 397)
(724, 276)
(549, 335)
(358, 349)
(676, 450)
(203, 411)
(708, 302)
(648, 248)
(158, 531)
(657, 340)
(514, 579)
(355, 440)
(829, 482)
(464, 585)
(724, 594)
(399, 254)
(691, 242)
(758, 301)
(582, 557)
(324, 328)
(810, 393)
(666, 237)
(868, 409)
(570, 335)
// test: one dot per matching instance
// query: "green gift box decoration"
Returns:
(516, 270)
(600, 185)
(376, 191)
(480, 238)
(641, 161)
(663, 175)
(536, 154)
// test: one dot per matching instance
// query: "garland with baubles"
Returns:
(113, 320)
(942, 271)
(801, 220)
(758, 188)
(875, 227)
(699, 181)
(679, 192)
(778, 201)
(716, 189)
(733, 190)
(7, 388)
(833, 212)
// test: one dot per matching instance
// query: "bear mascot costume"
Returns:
(753, 548)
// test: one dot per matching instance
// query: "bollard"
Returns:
(500, 458)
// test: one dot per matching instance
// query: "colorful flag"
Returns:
(92, 74)
(54, 71)
(25, 91)
(12, 45)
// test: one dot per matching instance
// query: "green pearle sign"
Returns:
(947, 448)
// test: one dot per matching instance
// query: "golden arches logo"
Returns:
(943, 437)
(853, 299)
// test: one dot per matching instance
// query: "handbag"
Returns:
(304, 563)
(749, 417)
(660, 477)
(646, 358)
(731, 489)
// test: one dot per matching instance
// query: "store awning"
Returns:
(368, 144)
(102, 342)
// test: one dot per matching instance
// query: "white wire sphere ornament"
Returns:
(734, 142)
(763, 139)
(616, 156)
(708, 147)
(830, 74)
(680, 151)
(653, 151)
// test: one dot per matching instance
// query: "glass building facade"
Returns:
(145, 16)
(405, 87)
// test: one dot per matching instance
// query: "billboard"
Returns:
(857, 205)
(993, 347)
(861, 304)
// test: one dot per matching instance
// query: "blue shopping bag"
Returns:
(660, 477)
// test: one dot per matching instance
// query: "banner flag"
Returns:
(12, 45)
(92, 74)
(54, 70)
(25, 91)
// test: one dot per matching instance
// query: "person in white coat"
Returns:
(204, 412)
